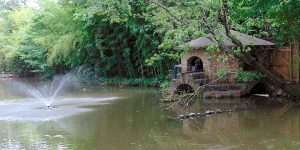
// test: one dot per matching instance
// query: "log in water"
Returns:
(206, 113)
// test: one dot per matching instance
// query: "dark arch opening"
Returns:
(184, 89)
(194, 64)
(260, 88)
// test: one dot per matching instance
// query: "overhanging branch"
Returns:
(169, 12)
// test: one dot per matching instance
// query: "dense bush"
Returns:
(248, 76)
(130, 38)
(111, 37)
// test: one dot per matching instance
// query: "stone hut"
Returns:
(199, 68)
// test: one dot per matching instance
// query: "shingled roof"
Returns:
(244, 38)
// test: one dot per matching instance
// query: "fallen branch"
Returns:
(197, 91)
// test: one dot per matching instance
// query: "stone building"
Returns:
(200, 68)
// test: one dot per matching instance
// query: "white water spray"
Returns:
(45, 93)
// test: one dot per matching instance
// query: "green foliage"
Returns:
(295, 62)
(248, 76)
(112, 37)
(182, 21)
(270, 19)
(129, 39)
(166, 83)
(150, 82)
(86, 74)
(13, 29)
(222, 72)
(10, 4)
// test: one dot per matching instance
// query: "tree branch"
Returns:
(169, 12)
(227, 26)
(245, 56)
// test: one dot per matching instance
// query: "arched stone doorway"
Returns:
(261, 88)
(194, 64)
(184, 89)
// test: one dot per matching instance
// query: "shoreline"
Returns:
(113, 82)
(126, 82)
(9, 75)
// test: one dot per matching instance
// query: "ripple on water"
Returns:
(65, 107)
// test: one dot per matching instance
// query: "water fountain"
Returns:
(47, 92)
(34, 100)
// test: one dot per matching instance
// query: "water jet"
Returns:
(46, 92)
(51, 107)
(36, 100)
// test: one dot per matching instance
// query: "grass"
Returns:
(119, 81)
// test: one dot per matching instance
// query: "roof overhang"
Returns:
(247, 40)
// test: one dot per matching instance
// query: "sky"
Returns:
(32, 3)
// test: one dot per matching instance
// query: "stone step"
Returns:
(198, 75)
(201, 82)
(225, 81)
(222, 94)
(224, 87)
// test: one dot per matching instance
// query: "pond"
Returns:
(133, 119)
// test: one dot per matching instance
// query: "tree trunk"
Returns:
(247, 58)
(273, 78)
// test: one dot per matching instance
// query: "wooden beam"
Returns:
(297, 53)
(295, 61)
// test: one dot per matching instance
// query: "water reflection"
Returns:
(138, 122)
(262, 128)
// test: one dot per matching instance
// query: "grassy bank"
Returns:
(140, 82)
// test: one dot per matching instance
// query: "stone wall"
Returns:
(211, 66)
(208, 78)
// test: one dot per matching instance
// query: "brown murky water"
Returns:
(133, 119)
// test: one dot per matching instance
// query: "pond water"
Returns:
(133, 119)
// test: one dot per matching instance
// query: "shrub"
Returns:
(248, 76)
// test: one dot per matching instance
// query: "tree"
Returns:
(273, 19)
(121, 36)
(13, 28)
(111, 38)
(245, 56)
(11, 4)
(180, 21)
